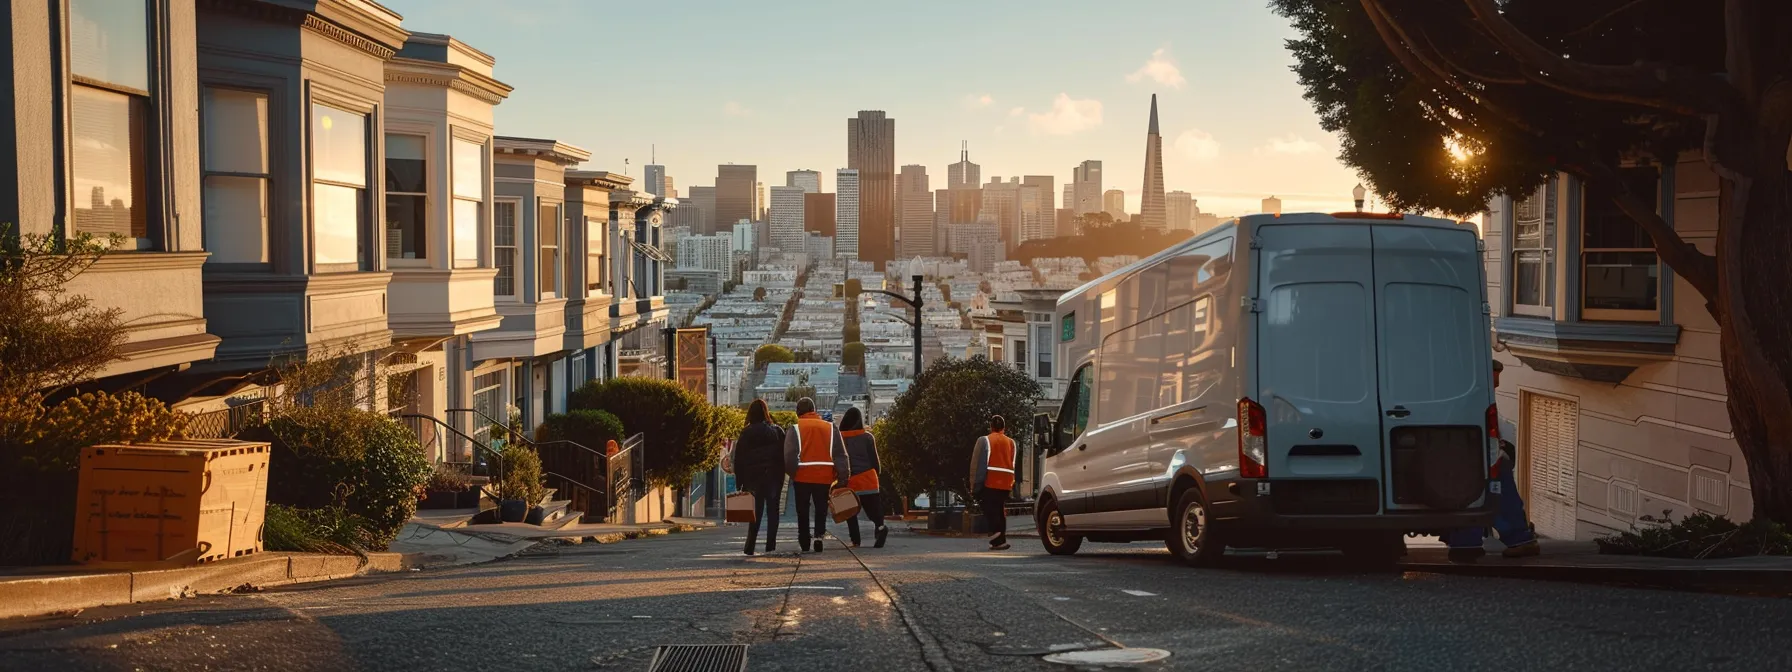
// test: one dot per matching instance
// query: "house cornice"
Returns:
(404, 70)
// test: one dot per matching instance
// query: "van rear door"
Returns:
(1434, 368)
(1316, 363)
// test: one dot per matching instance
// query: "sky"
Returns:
(1034, 87)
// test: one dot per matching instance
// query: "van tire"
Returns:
(1200, 547)
(1056, 541)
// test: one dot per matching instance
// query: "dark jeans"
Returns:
(765, 507)
(872, 506)
(994, 503)
(1513, 526)
(810, 498)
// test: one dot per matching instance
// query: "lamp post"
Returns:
(914, 302)
(1359, 192)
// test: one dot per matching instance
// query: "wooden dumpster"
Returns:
(196, 499)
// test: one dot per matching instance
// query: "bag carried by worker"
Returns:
(844, 504)
(740, 508)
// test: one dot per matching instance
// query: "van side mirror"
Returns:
(1043, 435)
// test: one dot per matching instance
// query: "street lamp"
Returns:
(1359, 192)
(914, 302)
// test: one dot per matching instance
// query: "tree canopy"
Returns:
(681, 431)
(772, 353)
(925, 441)
(1101, 240)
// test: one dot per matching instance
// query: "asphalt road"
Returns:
(955, 607)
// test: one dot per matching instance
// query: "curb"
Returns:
(1709, 579)
(27, 596)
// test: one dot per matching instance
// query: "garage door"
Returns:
(1552, 434)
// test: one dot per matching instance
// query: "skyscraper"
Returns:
(846, 213)
(735, 200)
(809, 180)
(654, 179)
(703, 199)
(1037, 218)
(1085, 178)
(1001, 204)
(964, 174)
(1272, 206)
(818, 213)
(1113, 202)
(1151, 200)
(917, 222)
(786, 218)
(1179, 210)
(761, 204)
(871, 150)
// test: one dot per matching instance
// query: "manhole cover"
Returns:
(1109, 657)
(699, 658)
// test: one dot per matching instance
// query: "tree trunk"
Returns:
(1754, 257)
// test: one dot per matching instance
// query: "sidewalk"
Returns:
(38, 591)
(1581, 561)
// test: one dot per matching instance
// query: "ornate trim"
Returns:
(324, 27)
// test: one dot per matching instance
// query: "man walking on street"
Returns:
(1510, 522)
(992, 477)
(816, 459)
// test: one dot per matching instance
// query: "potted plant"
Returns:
(444, 487)
(521, 486)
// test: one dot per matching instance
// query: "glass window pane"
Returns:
(109, 41)
(504, 248)
(405, 166)
(109, 131)
(407, 227)
(336, 221)
(548, 269)
(1621, 280)
(469, 169)
(338, 146)
(236, 131)
(1436, 360)
(466, 233)
(1528, 279)
(1607, 227)
(236, 219)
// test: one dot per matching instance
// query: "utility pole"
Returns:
(715, 368)
(916, 302)
(671, 353)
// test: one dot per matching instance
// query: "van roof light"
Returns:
(1369, 215)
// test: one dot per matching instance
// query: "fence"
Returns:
(225, 423)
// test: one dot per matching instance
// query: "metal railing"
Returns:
(625, 470)
(559, 458)
(493, 468)
(225, 423)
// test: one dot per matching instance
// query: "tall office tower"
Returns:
(653, 179)
(760, 203)
(942, 222)
(703, 200)
(1047, 202)
(871, 150)
(786, 218)
(1272, 206)
(671, 189)
(846, 213)
(916, 201)
(1066, 222)
(809, 180)
(1037, 217)
(1085, 177)
(1069, 197)
(734, 193)
(1113, 202)
(1179, 210)
(714, 252)
(745, 240)
(818, 213)
(1151, 200)
(964, 174)
(1001, 203)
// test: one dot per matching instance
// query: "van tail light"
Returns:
(1493, 440)
(1253, 440)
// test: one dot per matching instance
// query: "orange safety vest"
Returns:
(1001, 462)
(815, 450)
(864, 481)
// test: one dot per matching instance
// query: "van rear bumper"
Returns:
(1244, 503)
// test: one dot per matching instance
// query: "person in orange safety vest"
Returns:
(992, 478)
(815, 458)
(861, 452)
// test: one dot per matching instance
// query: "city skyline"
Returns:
(715, 107)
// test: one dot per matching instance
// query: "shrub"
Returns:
(680, 430)
(522, 475)
(327, 530)
(587, 427)
(362, 461)
(784, 418)
(772, 353)
(853, 355)
(1700, 535)
(448, 478)
(926, 440)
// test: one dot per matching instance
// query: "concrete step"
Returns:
(569, 519)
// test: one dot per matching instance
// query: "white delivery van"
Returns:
(1292, 381)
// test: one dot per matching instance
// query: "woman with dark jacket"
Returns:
(759, 469)
(861, 452)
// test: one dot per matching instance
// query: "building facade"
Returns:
(871, 150)
(1086, 182)
(1179, 211)
(702, 201)
(846, 213)
(1113, 202)
(786, 218)
(916, 222)
(818, 213)
(808, 180)
(736, 198)
(1151, 195)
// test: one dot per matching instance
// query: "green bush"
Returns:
(448, 478)
(587, 427)
(327, 530)
(772, 353)
(853, 355)
(680, 431)
(361, 461)
(1700, 535)
(925, 442)
(522, 475)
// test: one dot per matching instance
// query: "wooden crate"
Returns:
(199, 500)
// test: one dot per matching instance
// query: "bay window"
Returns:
(504, 248)
(109, 114)
(1533, 260)
(595, 234)
(338, 188)
(469, 201)
(407, 197)
(1620, 275)
(234, 215)
(548, 269)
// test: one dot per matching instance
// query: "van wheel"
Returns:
(1191, 536)
(1052, 534)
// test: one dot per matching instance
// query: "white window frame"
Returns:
(1545, 246)
(423, 256)
(456, 256)
(211, 221)
(597, 248)
(543, 246)
(514, 248)
(141, 118)
(369, 126)
(1652, 315)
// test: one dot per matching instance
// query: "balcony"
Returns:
(162, 296)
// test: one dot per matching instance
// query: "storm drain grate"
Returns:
(699, 658)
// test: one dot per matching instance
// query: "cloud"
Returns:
(1289, 144)
(974, 101)
(1161, 69)
(1017, 111)
(1197, 145)
(1067, 116)
(735, 109)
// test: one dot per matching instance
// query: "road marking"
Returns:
(749, 590)
(1139, 593)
